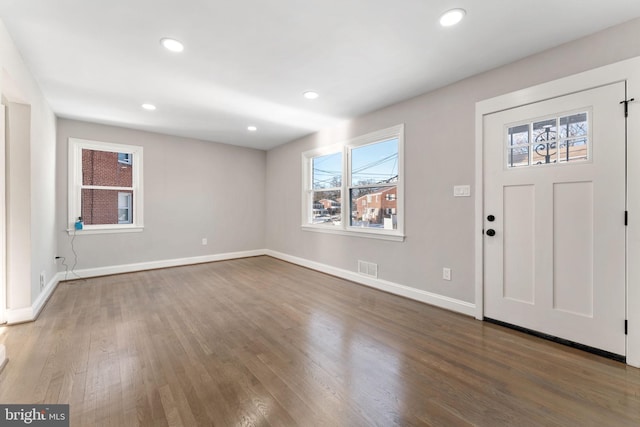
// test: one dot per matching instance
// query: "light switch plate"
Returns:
(461, 191)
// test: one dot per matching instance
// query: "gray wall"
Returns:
(192, 189)
(36, 169)
(439, 153)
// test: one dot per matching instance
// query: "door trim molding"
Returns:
(629, 71)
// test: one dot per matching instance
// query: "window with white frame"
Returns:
(124, 208)
(105, 186)
(356, 187)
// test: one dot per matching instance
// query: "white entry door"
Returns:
(554, 206)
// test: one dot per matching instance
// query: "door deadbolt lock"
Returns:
(491, 218)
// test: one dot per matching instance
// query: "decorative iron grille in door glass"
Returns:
(556, 140)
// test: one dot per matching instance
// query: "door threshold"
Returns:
(588, 349)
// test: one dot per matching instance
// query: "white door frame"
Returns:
(629, 71)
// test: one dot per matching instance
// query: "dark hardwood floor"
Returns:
(262, 342)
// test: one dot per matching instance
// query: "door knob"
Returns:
(491, 232)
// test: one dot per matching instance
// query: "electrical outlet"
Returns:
(204, 241)
(446, 273)
(42, 281)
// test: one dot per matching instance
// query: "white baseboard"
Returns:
(441, 301)
(28, 314)
(19, 315)
(151, 265)
(44, 296)
(3, 357)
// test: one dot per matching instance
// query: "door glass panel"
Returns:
(518, 135)
(518, 156)
(544, 153)
(575, 125)
(557, 140)
(518, 146)
(544, 131)
(573, 150)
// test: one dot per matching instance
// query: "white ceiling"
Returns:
(247, 62)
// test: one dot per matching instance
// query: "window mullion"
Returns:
(326, 189)
(376, 185)
(346, 188)
(105, 187)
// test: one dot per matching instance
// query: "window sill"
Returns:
(105, 230)
(394, 236)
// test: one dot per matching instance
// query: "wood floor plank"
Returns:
(258, 341)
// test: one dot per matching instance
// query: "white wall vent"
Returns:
(368, 269)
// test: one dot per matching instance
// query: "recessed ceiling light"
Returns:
(311, 94)
(252, 128)
(172, 44)
(149, 107)
(452, 17)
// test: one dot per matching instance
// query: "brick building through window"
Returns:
(107, 169)
(375, 207)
